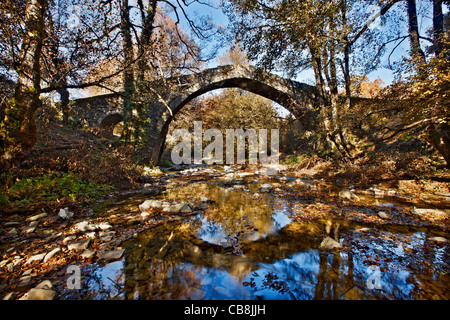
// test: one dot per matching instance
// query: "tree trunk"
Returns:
(414, 30)
(148, 19)
(128, 75)
(438, 26)
(18, 128)
(439, 137)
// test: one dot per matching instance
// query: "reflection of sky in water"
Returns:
(307, 274)
(213, 232)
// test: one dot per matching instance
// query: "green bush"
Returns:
(53, 186)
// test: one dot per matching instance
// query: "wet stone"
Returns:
(111, 255)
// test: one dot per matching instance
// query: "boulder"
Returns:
(40, 294)
(329, 244)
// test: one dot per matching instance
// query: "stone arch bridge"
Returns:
(103, 112)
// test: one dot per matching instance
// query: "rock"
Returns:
(266, 187)
(11, 223)
(31, 227)
(37, 217)
(84, 226)
(177, 208)
(147, 204)
(86, 254)
(347, 194)
(24, 282)
(79, 245)
(383, 215)
(104, 226)
(106, 235)
(436, 212)
(111, 255)
(196, 294)
(37, 257)
(329, 244)
(69, 238)
(13, 232)
(46, 284)
(65, 213)
(204, 199)
(40, 294)
(438, 239)
(27, 272)
(203, 206)
(51, 254)
(10, 296)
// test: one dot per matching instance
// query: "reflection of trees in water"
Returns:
(160, 279)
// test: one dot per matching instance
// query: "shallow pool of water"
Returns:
(242, 246)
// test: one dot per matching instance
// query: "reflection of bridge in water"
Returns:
(105, 111)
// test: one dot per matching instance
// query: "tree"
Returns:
(17, 127)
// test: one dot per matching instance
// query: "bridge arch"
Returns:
(297, 98)
(107, 124)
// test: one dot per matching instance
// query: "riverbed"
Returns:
(246, 236)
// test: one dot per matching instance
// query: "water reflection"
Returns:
(243, 247)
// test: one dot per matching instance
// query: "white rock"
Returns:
(347, 194)
(37, 217)
(147, 204)
(40, 294)
(84, 226)
(51, 254)
(31, 227)
(383, 215)
(37, 257)
(104, 226)
(177, 208)
(438, 239)
(63, 214)
(329, 244)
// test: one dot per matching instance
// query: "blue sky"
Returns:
(424, 19)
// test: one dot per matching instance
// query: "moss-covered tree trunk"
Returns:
(18, 127)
